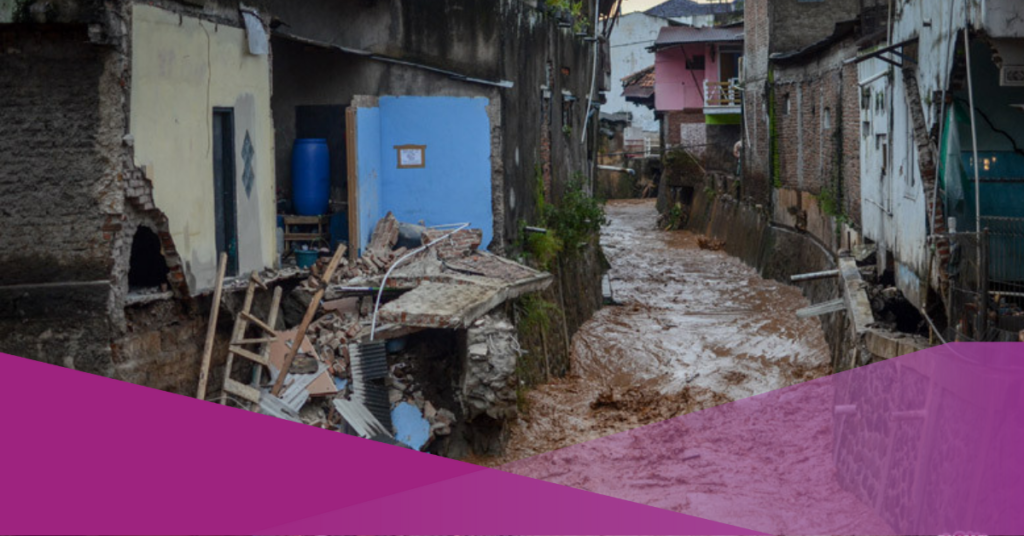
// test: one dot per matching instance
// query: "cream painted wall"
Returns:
(182, 68)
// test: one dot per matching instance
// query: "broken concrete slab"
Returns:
(442, 305)
(858, 305)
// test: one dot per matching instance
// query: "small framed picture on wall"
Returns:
(411, 156)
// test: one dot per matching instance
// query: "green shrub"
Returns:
(577, 220)
(543, 248)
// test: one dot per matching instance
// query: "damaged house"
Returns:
(143, 142)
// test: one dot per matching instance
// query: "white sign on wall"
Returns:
(411, 156)
(1012, 76)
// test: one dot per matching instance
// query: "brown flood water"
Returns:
(698, 328)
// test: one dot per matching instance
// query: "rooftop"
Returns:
(639, 84)
(679, 35)
(689, 8)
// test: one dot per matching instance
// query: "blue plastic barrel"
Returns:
(311, 176)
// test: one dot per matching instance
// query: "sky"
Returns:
(629, 6)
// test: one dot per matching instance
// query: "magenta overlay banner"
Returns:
(923, 444)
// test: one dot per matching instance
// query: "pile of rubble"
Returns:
(347, 372)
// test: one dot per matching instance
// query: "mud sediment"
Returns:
(698, 328)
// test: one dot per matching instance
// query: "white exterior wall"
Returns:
(894, 209)
(629, 41)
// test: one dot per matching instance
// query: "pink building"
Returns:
(697, 81)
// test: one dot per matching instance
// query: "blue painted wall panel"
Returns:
(368, 160)
(455, 185)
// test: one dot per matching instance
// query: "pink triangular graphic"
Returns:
(927, 443)
(90, 455)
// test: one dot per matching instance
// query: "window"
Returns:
(788, 107)
(828, 119)
(696, 63)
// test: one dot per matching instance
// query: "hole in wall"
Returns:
(147, 267)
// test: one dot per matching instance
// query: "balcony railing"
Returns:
(722, 94)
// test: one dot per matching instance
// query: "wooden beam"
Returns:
(300, 334)
(238, 332)
(211, 330)
(275, 306)
(351, 144)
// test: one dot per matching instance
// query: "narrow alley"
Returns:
(695, 328)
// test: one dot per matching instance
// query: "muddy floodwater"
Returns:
(696, 328)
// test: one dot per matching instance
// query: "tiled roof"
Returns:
(688, 8)
(639, 84)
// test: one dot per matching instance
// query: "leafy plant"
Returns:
(535, 312)
(543, 247)
(578, 219)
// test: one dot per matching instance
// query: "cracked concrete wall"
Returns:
(73, 203)
(182, 68)
(60, 191)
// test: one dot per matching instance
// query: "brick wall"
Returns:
(52, 159)
(851, 145)
(461, 244)
(817, 111)
(685, 128)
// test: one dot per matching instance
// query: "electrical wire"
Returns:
(383, 283)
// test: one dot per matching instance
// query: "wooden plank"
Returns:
(295, 237)
(822, 308)
(275, 306)
(302, 220)
(259, 323)
(254, 357)
(242, 390)
(300, 334)
(263, 340)
(211, 330)
(351, 136)
(239, 331)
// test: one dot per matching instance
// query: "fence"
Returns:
(986, 282)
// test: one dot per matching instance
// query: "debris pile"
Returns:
(710, 244)
(489, 382)
(345, 365)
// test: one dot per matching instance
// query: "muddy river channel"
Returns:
(696, 328)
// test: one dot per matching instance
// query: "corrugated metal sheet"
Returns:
(296, 392)
(375, 397)
(275, 407)
(360, 419)
(370, 359)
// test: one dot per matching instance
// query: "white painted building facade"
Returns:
(629, 41)
(895, 212)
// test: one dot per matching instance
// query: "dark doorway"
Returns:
(729, 66)
(327, 122)
(147, 267)
(225, 209)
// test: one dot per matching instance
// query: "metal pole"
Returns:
(983, 286)
(816, 275)
(974, 126)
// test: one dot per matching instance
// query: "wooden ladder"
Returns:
(238, 347)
